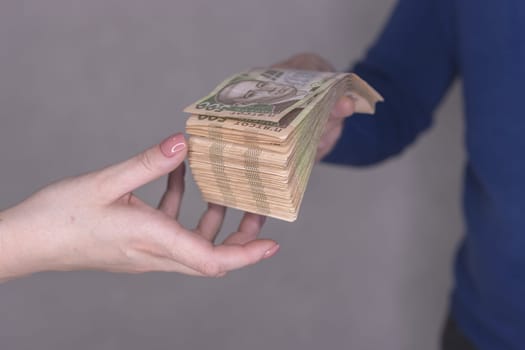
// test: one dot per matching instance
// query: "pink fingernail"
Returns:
(172, 145)
(271, 252)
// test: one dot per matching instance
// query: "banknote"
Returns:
(270, 94)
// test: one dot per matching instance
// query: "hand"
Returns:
(340, 111)
(95, 222)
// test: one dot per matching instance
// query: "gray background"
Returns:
(84, 84)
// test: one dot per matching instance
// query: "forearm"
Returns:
(412, 64)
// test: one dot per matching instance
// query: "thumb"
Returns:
(343, 108)
(119, 179)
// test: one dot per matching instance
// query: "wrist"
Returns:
(17, 256)
(5, 270)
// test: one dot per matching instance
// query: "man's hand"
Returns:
(95, 222)
(340, 111)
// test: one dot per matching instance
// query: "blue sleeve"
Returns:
(412, 65)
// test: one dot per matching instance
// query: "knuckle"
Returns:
(146, 162)
(252, 259)
(211, 269)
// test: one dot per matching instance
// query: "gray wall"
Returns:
(87, 83)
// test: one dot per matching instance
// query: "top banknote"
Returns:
(269, 94)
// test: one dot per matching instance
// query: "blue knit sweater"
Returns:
(424, 47)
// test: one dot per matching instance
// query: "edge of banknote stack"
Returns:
(253, 140)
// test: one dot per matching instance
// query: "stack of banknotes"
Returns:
(253, 140)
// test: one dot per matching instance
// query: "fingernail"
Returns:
(271, 252)
(172, 145)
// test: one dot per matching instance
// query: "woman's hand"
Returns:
(95, 222)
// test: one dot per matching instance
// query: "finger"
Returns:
(198, 254)
(233, 257)
(168, 265)
(331, 124)
(164, 265)
(176, 267)
(211, 222)
(249, 229)
(330, 132)
(328, 142)
(171, 199)
(119, 179)
(306, 61)
(343, 108)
